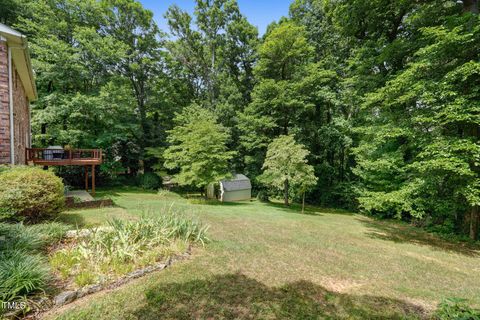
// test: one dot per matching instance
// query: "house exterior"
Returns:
(17, 90)
(235, 189)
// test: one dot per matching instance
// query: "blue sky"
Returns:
(259, 12)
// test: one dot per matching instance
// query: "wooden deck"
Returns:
(62, 157)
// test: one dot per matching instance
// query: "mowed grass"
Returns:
(266, 261)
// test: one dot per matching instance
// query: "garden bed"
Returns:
(67, 265)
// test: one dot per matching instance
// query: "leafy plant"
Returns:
(30, 238)
(21, 273)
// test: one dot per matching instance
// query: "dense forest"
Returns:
(383, 95)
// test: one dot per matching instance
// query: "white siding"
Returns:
(237, 195)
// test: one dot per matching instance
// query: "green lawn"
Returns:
(266, 261)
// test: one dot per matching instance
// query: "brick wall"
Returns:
(21, 113)
(4, 105)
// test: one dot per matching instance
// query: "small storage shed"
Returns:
(236, 189)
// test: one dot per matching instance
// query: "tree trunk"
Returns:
(474, 223)
(303, 203)
(286, 192)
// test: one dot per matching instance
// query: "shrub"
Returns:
(30, 193)
(149, 181)
(457, 309)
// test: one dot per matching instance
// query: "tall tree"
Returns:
(277, 100)
(132, 25)
(222, 43)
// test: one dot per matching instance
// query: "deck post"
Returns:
(86, 178)
(93, 180)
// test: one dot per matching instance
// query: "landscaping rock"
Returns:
(94, 288)
(65, 297)
(84, 232)
(137, 274)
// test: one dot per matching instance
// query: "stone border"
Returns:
(67, 297)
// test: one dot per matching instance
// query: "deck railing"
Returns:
(59, 156)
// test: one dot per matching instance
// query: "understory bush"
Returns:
(149, 181)
(124, 245)
(23, 269)
(30, 193)
(262, 195)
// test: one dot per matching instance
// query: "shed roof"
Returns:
(238, 182)
(21, 58)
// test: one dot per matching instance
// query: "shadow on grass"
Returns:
(235, 296)
(116, 192)
(402, 233)
(309, 210)
(204, 202)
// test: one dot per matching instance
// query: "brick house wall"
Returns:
(4, 108)
(21, 112)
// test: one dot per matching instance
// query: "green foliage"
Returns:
(30, 193)
(198, 148)
(418, 156)
(149, 181)
(456, 309)
(286, 167)
(283, 51)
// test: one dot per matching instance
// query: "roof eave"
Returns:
(21, 56)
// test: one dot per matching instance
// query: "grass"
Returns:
(267, 261)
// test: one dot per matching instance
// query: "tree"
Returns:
(198, 148)
(277, 98)
(10, 11)
(286, 167)
(133, 26)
